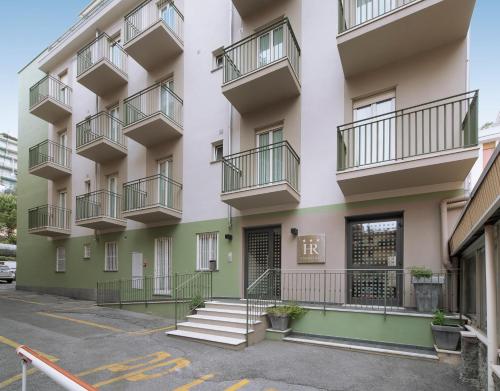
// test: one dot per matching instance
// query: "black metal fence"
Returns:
(101, 48)
(100, 203)
(49, 152)
(156, 190)
(50, 87)
(100, 126)
(49, 216)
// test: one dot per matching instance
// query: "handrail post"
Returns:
(145, 291)
(246, 335)
(211, 285)
(120, 292)
(385, 293)
(324, 291)
(175, 300)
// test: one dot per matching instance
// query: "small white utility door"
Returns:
(137, 270)
(163, 271)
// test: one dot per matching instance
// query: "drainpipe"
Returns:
(230, 127)
(491, 301)
(446, 204)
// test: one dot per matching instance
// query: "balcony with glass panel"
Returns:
(50, 160)
(373, 33)
(262, 69)
(153, 115)
(429, 144)
(260, 177)
(102, 65)
(49, 220)
(153, 199)
(100, 138)
(50, 99)
(153, 33)
(101, 209)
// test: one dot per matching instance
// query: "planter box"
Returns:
(446, 337)
(427, 292)
(279, 322)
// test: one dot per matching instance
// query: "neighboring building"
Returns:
(8, 162)
(157, 143)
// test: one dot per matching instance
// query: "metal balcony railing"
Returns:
(353, 13)
(98, 204)
(261, 49)
(150, 12)
(156, 190)
(49, 216)
(101, 48)
(437, 126)
(262, 166)
(49, 152)
(153, 100)
(50, 87)
(100, 126)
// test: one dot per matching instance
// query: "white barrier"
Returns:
(55, 372)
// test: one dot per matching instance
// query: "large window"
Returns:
(206, 250)
(60, 259)
(110, 257)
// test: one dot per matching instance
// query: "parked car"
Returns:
(12, 265)
(6, 274)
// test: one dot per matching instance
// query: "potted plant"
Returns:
(195, 303)
(427, 288)
(280, 316)
(446, 336)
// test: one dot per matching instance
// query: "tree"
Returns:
(487, 125)
(8, 219)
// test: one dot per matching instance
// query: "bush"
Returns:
(420, 272)
(438, 319)
(196, 302)
(293, 311)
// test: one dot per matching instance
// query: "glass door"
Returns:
(167, 14)
(270, 46)
(165, 190)
(269, 157)
(61, 215)
(114, 117)
(115, 53)
(113, 197)
(166, 98)
(61, 154)
(162, 271)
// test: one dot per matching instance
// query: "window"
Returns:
(217, 151)
(206, 250)
(87, 186)
(60, 259)
(110, 257)
(86, 251)
(218, 61)
(218, 58)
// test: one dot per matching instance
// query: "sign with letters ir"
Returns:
(311, 249)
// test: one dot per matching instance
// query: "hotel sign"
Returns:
(311, 249)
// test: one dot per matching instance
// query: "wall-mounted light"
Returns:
(294, 231)
(228, 236)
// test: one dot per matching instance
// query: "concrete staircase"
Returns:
(222, 324)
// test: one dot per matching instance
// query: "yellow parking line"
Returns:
(238, 385)
(85, 322)
(150, 331)
(24, 301)
(16, 378)
(196, 382)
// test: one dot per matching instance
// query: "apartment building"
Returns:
(8, 162)
(327, 140)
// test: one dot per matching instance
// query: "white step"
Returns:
(224, 331)
(222, 312)
(226, 305)
(221, 321)
(217, 340)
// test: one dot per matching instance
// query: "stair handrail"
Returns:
(177, 288)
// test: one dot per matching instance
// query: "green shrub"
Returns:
(293, 311)
(438, 319)
(196, 302)
(420, 272)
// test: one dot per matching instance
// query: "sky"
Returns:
(29, 26)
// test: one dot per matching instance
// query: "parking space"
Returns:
(122, 350)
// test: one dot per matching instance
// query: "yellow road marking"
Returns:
(150, 331)
(85, 322)
(24, 301)
(196, 382)
(15, 378)
(238, 385)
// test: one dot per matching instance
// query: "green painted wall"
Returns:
(399, 329)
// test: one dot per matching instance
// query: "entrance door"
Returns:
(163, 271)
(263, 252)
(113, 197)
(375, 261)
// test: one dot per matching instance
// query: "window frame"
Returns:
(60, 259)
(215, 146)
(87, 251)
(107, 267)
(210, 250)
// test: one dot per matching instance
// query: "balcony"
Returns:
(428, 144)
(247, 8)
(100, 138)
(153, 115)
(153, 199)
(153, 33)
(102, 66)
(100, 209)
(50, 100)
(260, 177)
(49, 220)
(257, 74)
(373, 33)
(50, 160)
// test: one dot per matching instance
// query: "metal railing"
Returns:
(49, 216)
(100, 126)
(50, 87)
(262, 166)
(189, 287)
(98, 204)
(101, 48)
(437, 126)
(49, 152)
(156, 190)
(153, 100)
(353, 13)
(150, 12)
(261, 49)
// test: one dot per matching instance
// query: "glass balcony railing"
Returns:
(49, 216)
(49, 152)
(438, 126)
(259, 167)
(98, 204)
(153, 191)
(261, 49)
(102, 48)
(100, 126)
(50, 87)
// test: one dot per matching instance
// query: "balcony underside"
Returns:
(51, 232)
(154, 46)
(271, 195)
(425, 170)
(154, 214)
(265, 86)
(50, 110)
(102, 223)
(102, 150)
(418, 27)
(153, 130)
(246, 8)
(50, 171)
(102, 78)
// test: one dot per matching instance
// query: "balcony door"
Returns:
(269, 157)
(167, 14)
(61, 153)
(115, 53)
(113, 196)
(62, 199)
(165, 191)
(163, 265)
(114, 117)
(369, 9)
(270, 46)
(166, 98)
